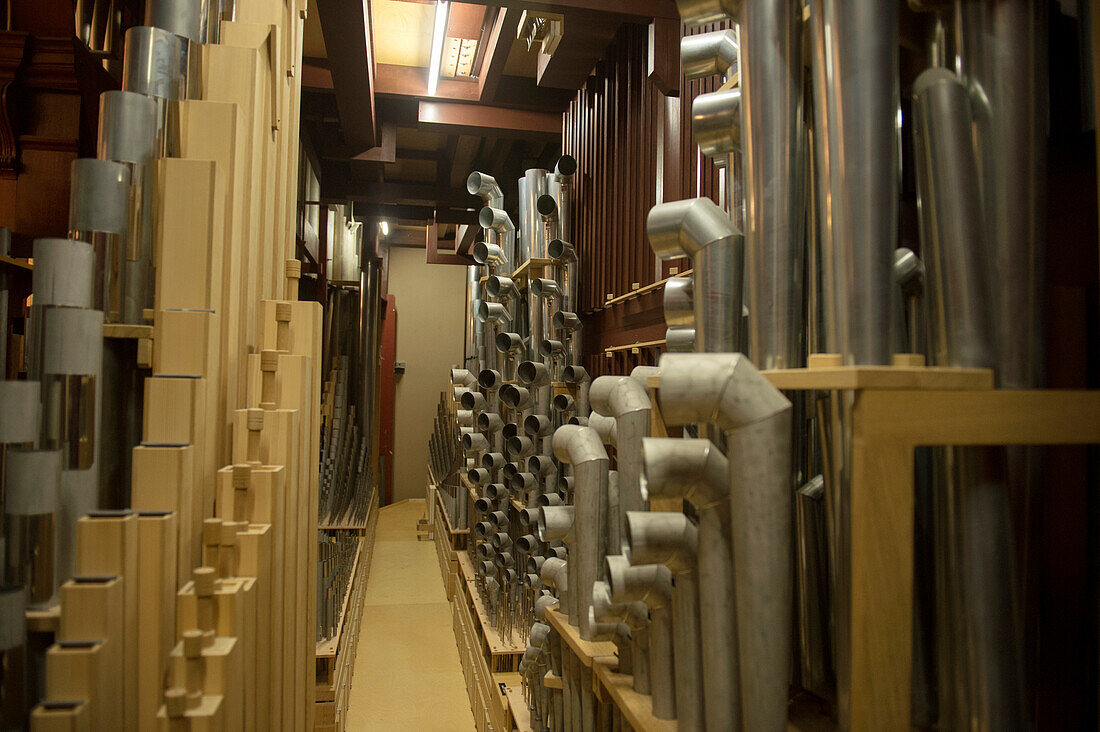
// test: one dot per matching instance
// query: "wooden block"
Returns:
(190, 233)
(176, 412)
(222, 661)
(208, 716)
(186, 343)
(145, 353)
(216, 130)
(173, 407)
(163, 480)
(92, 610)
(157, 571)
(255, 560)
(233, 75)
(266, 505)
(107, 544)
(62, 716)
(279, 446)
(76, 671)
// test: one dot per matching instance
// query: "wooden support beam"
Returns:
(413, 81)
(488, 121)
(664, 55)
(497, 48)
(347, 29)
(585, 36)
(437, 256)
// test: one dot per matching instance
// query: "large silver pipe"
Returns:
(369, 341)
(651, 584)
(32, 485)
(979, 611)
(532, 185)
(581, 448)
(855, 82)
(13, 657)
(728, 390)
(564, 170)
(678, 302)
(155, 63)
(699, 229)
(625, 399)
(671, 540)
(473, 328)
(99, 209)
(771, 87)
(182, 17)
(72, 358)
(695, 469)
(127, 134)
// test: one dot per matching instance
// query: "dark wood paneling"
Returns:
(632, 143)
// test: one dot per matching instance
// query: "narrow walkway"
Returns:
(407, 672)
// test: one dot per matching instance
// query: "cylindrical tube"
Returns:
(33, 480)
(99, 209)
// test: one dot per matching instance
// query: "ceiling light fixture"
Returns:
(437, 45)
(385, 226)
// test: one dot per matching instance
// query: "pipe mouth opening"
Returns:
(488, 379)
(505, 342)
(482, 528)
(528, 371)
(558, 249)
(486, 218)
(480, 252)
(567, 165)
(563, 402)
(533, 425)
(469, 400)
(510, 469)
(516, 445)
(510, 429)
(546, 204)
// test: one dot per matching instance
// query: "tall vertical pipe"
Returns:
(979, 609)
(623, 398)
(155, 63)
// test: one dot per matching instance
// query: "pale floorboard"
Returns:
(407, 672)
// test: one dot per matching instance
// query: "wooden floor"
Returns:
(407, 671)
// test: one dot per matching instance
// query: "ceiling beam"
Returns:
(346, 26)
(413, 81)
(633, 10)
(438, 255)
(475, 119)
(584, 39)
(500, 43)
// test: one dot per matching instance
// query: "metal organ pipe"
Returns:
(698, 228)
(756, 418)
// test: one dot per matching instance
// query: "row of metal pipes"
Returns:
(754, 573)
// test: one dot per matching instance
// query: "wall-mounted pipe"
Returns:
(500, 222)
(556, 523)
(680, 340)
(696, 469)
(709, 54)
(577, 376)
(698, 228)
(636, 616)
(726, 389)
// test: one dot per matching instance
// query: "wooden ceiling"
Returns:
(380, 142)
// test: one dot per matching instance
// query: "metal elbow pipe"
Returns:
(485, 187)
(463, 377)
(465, 417)
(487, 253)
(473, 401)
(685, 468)
(696, 469)
(492, 461)
(701, 12)
(493, 312)
(701, 230)
(501, 286)
(495, 492)
(581, 447)
(477, 476)
(520, 446)
(627, 399)
(728, 390)
(561, 251)
(707, 54)
(538, 425)
(652, 585)
(563, 402)
(533, 373)
(474, 441)
(564, 320)
(496, 219)
(605, 427)
(489, 379)
(489, 422)
(550, 348)
(680, 340)
(679, 302)
(515, 397)
(672, 540)
(716, 122)
(523, 483)
(578, 377)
